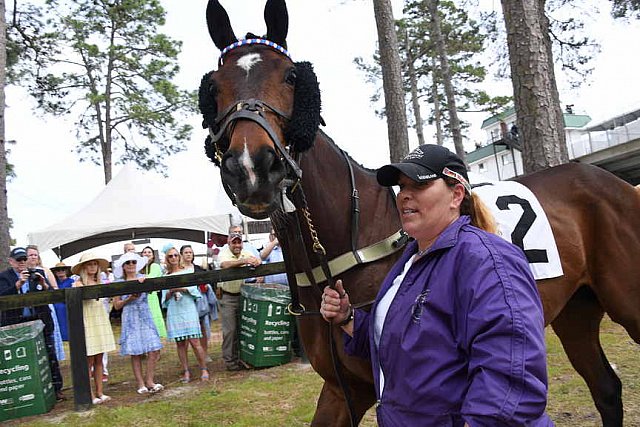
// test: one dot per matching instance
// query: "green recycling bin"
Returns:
(25, 377)
(265, 325)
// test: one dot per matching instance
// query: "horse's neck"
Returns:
(327, 185)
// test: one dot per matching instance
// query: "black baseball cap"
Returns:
(425, 163)
(18, 252)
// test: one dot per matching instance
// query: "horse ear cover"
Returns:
(209, 109)
(305, 118)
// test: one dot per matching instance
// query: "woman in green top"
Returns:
(151, 270)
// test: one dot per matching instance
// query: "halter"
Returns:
(254, 110)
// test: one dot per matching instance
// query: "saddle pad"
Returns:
(522, 221)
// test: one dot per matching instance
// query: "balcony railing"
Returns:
(591, 142)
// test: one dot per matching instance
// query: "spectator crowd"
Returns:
(149, 320)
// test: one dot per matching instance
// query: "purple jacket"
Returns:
(463, 340)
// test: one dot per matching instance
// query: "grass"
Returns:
(570, 402)
(286, 395)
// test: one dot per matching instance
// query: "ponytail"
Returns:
(477, 210)
(480, 214)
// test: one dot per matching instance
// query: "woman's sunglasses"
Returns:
(130, 262)
(173, 256)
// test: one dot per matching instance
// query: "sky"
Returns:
(52, 183)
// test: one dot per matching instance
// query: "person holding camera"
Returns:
(34, 263)
(18, 280)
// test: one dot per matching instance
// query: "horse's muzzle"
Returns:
(255, 180)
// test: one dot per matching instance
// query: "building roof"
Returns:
(483, 152)
(509, 111)
(576, 120)
(570, 120)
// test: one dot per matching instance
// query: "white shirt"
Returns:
(383, 308)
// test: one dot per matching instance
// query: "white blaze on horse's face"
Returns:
(247, 163)
(248, 61)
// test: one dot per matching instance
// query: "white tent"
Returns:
(135, 205)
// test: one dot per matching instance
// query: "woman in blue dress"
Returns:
(139, 335)
(63, 277)
(183, 322)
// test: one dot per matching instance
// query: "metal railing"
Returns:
(594, 141)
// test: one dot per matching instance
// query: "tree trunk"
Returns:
(5, 239)
(435, 94)
(415, 102)
(454, 121)
(540, 119)
(392, 81)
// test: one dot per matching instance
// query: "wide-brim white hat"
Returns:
(90, 256)
(141, 262)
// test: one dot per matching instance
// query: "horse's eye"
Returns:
(291, 77)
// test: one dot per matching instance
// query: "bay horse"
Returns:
(262, 111)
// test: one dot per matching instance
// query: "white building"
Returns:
(501, 157)
(613, 144)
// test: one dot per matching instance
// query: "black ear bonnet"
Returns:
(300, 131)
(209, 109)
(305, 118)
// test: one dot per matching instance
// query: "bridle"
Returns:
(254, 110)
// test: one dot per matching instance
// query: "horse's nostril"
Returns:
(272, 159)
(227, 164)
(276, 165)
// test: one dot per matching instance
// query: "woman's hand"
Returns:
(335, 306)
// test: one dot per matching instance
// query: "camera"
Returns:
(35, 283)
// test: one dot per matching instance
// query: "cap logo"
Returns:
(455, 175)
(415, 154)
(431, 176)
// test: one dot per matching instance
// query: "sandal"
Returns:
(186, 377)
(143, 390)
(156, 388)
(204, 376)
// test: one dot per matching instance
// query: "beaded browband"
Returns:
(245, 42)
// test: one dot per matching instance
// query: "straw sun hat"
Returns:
(141, 262)
(61, 266)
(90, 256)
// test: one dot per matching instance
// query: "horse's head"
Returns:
(261, 109)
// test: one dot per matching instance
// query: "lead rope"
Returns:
(320, 252)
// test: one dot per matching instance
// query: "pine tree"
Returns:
(422, 70)
(392, 81)
(106, 64)
(4, 214)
